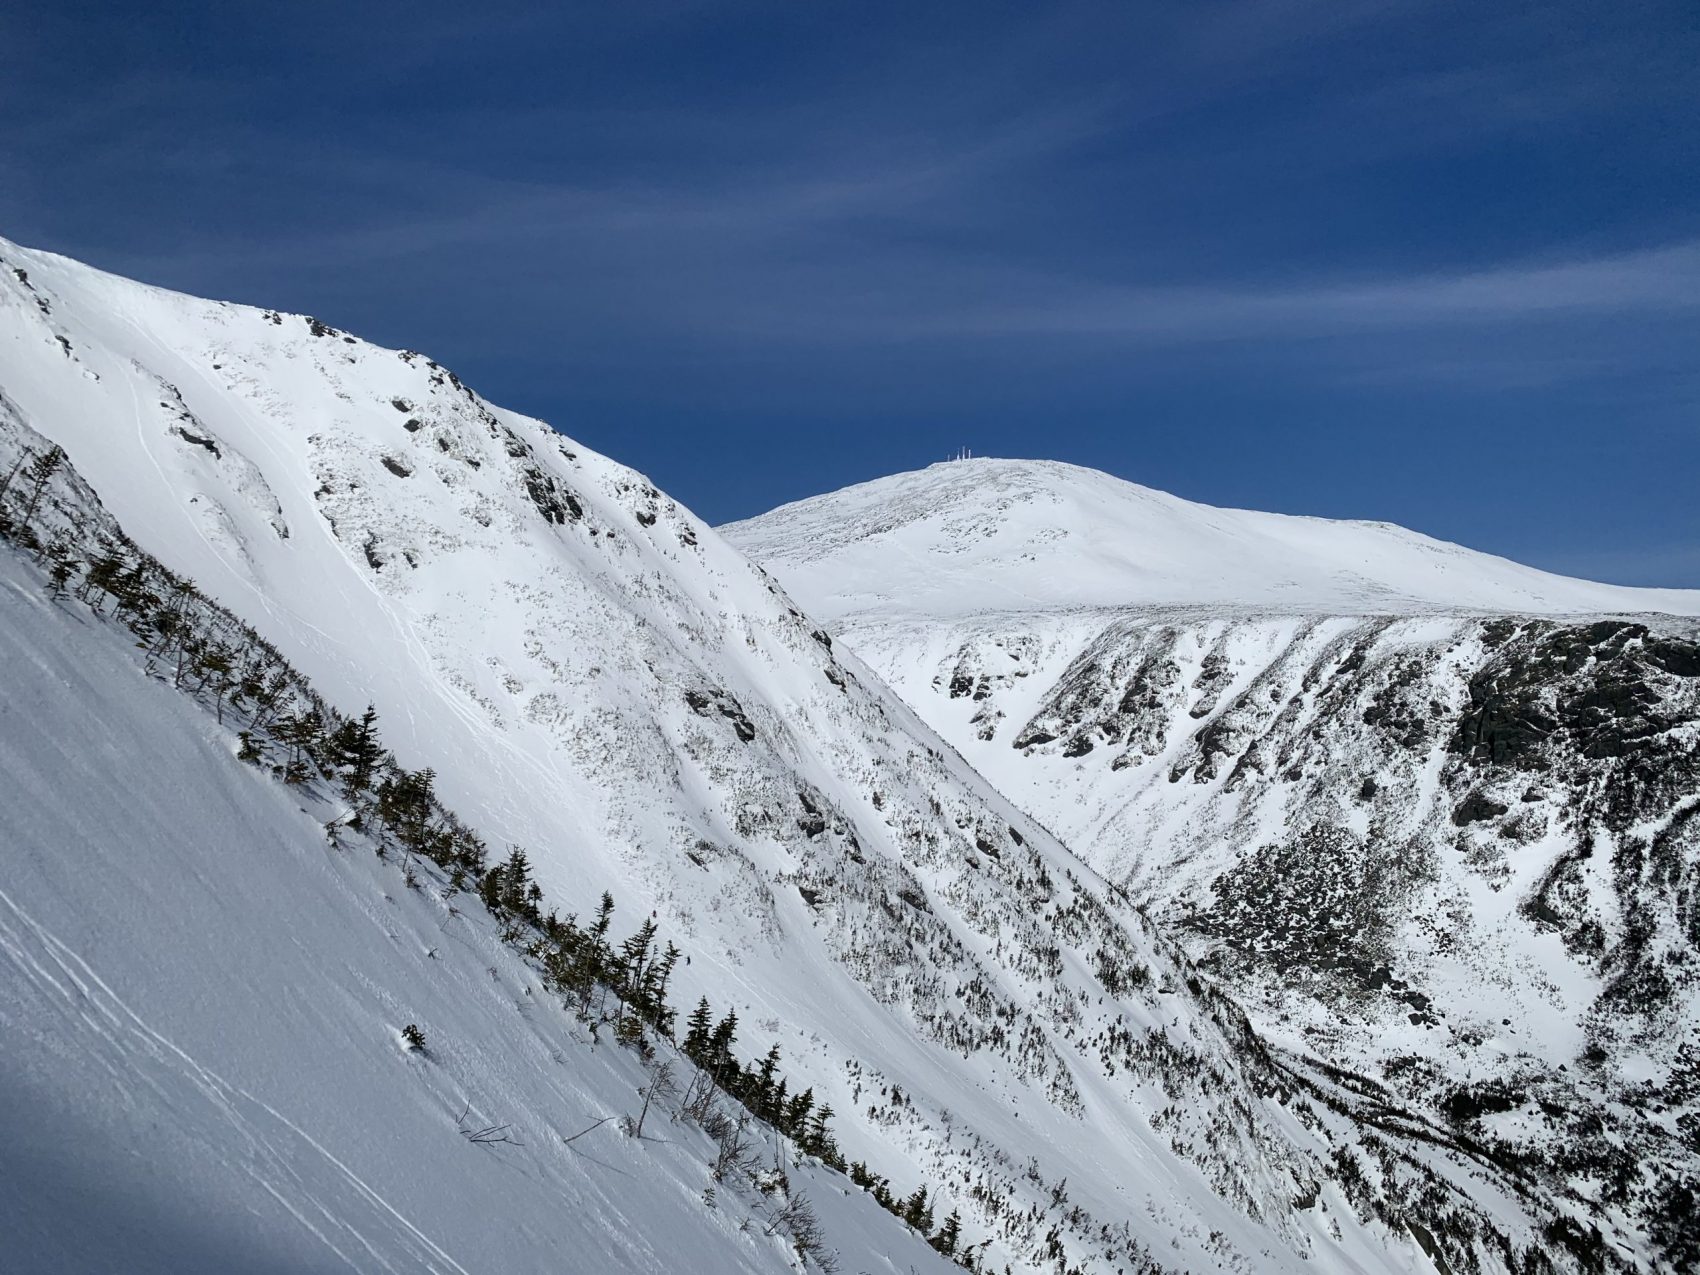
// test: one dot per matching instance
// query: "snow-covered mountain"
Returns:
(965, 539)
(1430, 814)
(597, 677)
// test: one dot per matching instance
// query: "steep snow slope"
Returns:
(201, 1001)
(1428, 824)
(598, 677)
(967, 538)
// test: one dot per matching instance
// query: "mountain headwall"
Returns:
(1447, 846)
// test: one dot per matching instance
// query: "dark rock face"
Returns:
(1571, 697)
(1475, 808)
(552, 499)
(1116, 693)
(1317, 902)
(707, 703)
(188, 436)
(1449, 826)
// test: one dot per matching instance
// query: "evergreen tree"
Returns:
(653, 994)
(300, 733)
(41, 471)
(490, 890)
(358, 750)
(949, 1235)
(135, 599)
(217, 666)
(796, 1116)
(604, 918)
(816, 1139)
(720, 1060)
(62, 569)
(103, 575)
(697, 1028)
(404, 803)
(633, 961)
(629, 1032)
(916, 1211)
(762, 1087)
(516, 876)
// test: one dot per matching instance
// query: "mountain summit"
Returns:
(984, 535)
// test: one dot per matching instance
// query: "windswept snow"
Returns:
(601, 679)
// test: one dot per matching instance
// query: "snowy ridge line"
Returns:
(989, 537)
(204, 651)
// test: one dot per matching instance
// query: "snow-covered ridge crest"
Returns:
(987, 535)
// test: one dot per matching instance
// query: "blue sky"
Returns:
(1431, 263)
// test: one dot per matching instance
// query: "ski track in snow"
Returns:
(105, 1015)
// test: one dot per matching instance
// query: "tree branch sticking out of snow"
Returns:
(575, 1137)
(660, 1088)
(733, 1153)
(486, 1136)
(796, 1220)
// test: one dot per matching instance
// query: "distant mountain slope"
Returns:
(597, 677)
(980, 536)
(1430, 814)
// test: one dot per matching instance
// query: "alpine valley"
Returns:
(998, 866)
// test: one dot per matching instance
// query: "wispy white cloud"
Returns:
(1654, 280)
(926, 217)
